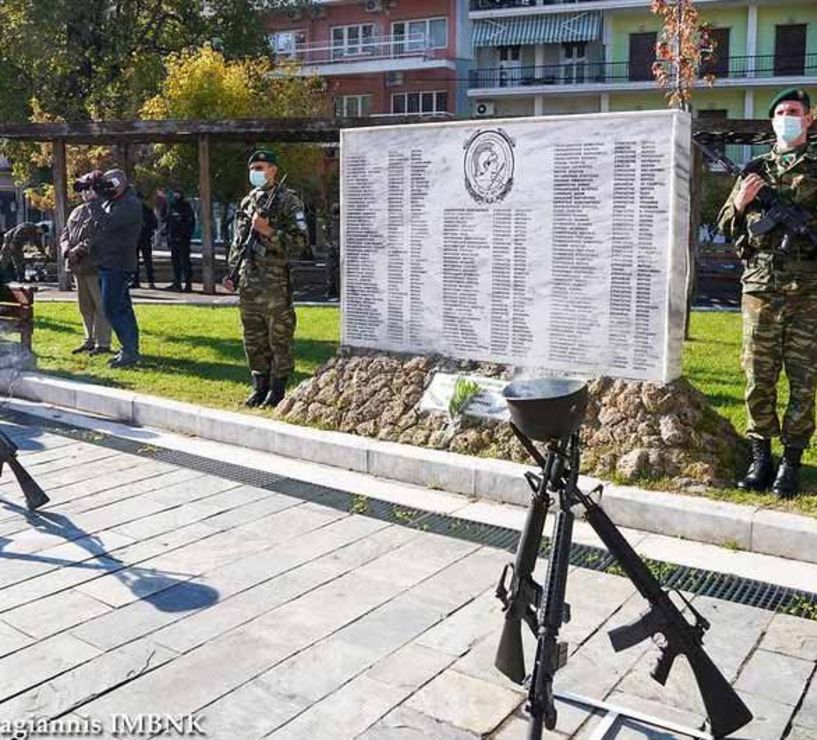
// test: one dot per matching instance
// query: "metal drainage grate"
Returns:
(722, 586)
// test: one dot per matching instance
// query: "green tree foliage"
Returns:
(76, 60)
(203, 84)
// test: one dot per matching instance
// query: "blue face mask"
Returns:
(787, 128)
(257, 178)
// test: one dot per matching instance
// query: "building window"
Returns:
(642, 55)
(509, 53)
(790, 50)
(285, 43)
(417, 103)
(353, 106)
(428, 33)
(718, 64)
(352, 40)
(574, 58)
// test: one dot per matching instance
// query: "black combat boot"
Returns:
(276, 392)
(260, 388)
(761, 470)
(787, 482)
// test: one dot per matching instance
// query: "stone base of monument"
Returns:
(633, 431)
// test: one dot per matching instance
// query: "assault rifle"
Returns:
(252, 242)
(35, 496)
(551, 410)
(777, 211)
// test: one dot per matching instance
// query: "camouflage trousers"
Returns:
(780, 332)
(268, 319)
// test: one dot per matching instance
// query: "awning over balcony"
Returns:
(538, 29)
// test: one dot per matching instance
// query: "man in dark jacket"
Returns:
(180, 224)
(113, 242)
(145, 250)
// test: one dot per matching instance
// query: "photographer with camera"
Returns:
(113, 241)
(75, 251)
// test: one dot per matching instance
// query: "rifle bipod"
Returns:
(544, 608)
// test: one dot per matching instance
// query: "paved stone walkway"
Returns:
(146, 588)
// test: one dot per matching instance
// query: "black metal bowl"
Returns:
(547, 408)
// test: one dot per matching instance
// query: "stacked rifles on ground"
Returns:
(35, 496)
(551, 410)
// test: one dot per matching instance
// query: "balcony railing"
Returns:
(366, 49)
(503, 4)
(593, 73)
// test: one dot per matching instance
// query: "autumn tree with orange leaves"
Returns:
(684, 46)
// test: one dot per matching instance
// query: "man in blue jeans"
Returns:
(113, 245)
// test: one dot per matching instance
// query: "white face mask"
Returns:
(257, 178)
(787, 129)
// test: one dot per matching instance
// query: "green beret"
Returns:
(264, 155)
(792, 93)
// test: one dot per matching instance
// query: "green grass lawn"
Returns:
(190, 353)
(194, 354)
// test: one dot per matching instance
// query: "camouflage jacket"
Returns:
(75, 234)
(794, 176)
(268, 266)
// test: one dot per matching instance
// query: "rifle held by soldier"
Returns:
(777, 210)
(252, 244)
(35, 496)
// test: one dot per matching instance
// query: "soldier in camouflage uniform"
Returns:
(264, 284)
(14, 241)
(779, 298)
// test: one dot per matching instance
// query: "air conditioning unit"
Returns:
(394, 78)
(373, 6)
(484, 108)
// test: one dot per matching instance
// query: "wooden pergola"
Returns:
(250, 131)
(124, 134)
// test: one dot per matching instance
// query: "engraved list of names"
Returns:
(556, 243)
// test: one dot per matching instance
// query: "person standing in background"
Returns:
(181, 221)
(113, 244)
(74, 249)
(145, 248)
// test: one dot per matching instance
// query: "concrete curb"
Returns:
(702, 520)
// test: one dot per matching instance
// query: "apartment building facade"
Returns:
(382, 57)
(539, 57)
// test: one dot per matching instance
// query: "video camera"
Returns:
(95, 181)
